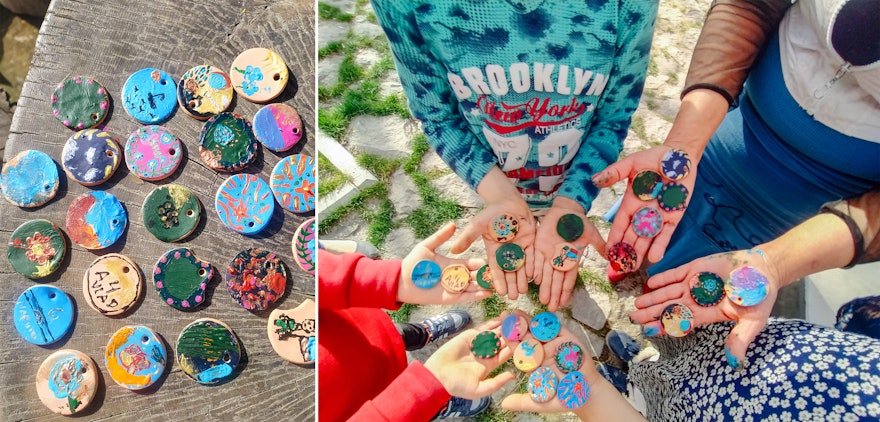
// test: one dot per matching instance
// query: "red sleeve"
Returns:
(414, 385)
(353, 280)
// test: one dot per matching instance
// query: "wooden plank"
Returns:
(108, 40)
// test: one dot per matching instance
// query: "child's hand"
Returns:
(673, 287)
(556, 264)
(407, 292)
(461, 373)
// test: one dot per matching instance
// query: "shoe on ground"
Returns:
(615, 376)
(349, 246)
(622, 345)
(458, 407)
(445, 324)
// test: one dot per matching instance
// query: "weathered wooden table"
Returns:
(109, 40)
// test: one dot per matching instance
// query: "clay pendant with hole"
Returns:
(570, 227)
(91, 156)
(227, 143)
(303, 245)
(80, 102)
(510, 257)
(573, 391)
(542, 385)
(426, 274)
(484, 277)
(528, 355)
(36, 248)
(545, 326)
(514, 327)
(647, 222)
(278, 127)
(149, 95)
(293, 183)
(485, 345)
(204, 91)
(672, 197)
(746, 286)
(256, 278)
(503, 228)
(244, 203)
(135, 357)
(646, 185)
(292, 333)
(258, 74)
(622, 257)
(171, 212)
(569, 356)
(181, 278)
(567, 256)
(43, 314)
(677, 320)
(675, 164)
(153, 153)
(706, 288)
(29, 179)
(112, 284)
(455, 278)
(96, 220)
(67, 381)
(208, 351)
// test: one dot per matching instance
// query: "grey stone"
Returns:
(591, 310)
(399, 243)
(328, 70)
(388, 136)
(432, 162)
(453, 188)
(367, 29)
(391, 85)
(592, 342)
(403, 194)
(330, 31)
(366, 58)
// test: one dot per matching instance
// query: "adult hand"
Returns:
(556, 284)
(408, 292)
(673, 287)
(463, 374)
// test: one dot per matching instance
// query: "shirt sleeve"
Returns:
(353, 280)
(604, 141)
(431, 100)
(415, 395)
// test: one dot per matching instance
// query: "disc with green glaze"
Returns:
(672, 196)
(646, 184)
(570, 227)
(36, 248)
(484, 277)
(510, 257)
(485, 345)
(706, 288)
(181, 278)
(80, 102)
(227, 142)
(171, 212)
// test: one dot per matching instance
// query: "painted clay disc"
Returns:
(208, 351)
(706, 288)
(622, 257)
(542, 385)
(181, 278)
(256, 278)
(278, 127)
(135, 357)
(292, 333)
(303, 245)
(672, 196)
(204, 91)
(258, 74)
(545, 326)
(43, 314)
(149, 95)
(570, 227)
(746, 286)
(153, 153)
(91, 156)
(677, 320)
(171, 212)
(80, 102)
(36, 248)
(96, 220)
(67, 381)
(293, 183)
(567, 257)
(484, 277)
(227, 142)
(244, 203)
(503, 228)
(646, 185)
(455, 278)
(647, 222)
(29, 179)
(112, 284)
(569, 356)
(485, 345)
(426, 274)
(514, 327)
(529, 354)
(573, 391)
(510, 257)
(675, 164)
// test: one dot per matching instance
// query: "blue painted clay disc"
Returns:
(43, 314)
(67, 381)
(677, 320)
(542, 384)
(647, 222)
(426, 274)
(135, 357)
(91, 156)
(29, 179)
(96, 220)
(278, 127)
(569, 356)
(149, 95)
(528, 355)
(293, 183)
(675, 164)
(746, 286)
(208, 351)
(514, 327)
(244, 203)
(545, 326)
(573, 390)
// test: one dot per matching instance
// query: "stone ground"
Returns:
(18, 35)
(597, 308)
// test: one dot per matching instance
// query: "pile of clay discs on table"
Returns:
(207, 350)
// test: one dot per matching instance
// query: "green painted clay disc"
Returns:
(645, 185)
(171, 212)
(227, 142)
(510, 257)
(485, 345)
(80, 102)
(36, 248)
(570, 227)
(484, 277)
(672, 196)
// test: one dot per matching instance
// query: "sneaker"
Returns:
(349, 246)
(615, 376)
(622, 345)
(458, 407)
(445, 324)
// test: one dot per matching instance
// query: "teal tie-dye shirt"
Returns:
(545, 90)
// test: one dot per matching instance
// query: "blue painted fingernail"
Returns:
(732, 360)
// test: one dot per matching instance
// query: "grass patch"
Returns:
(420, 148)
(358, 203)
(349, 72)
(653, 68)
(638, 126)
(330, 176)
(326, 11)
(332, 47)
(493, 306)
(651, 105)
(381, 167)
(494, 414)
(599, 281)
(672, 78)
(333, 122)
(381, 224)
(403, 314)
